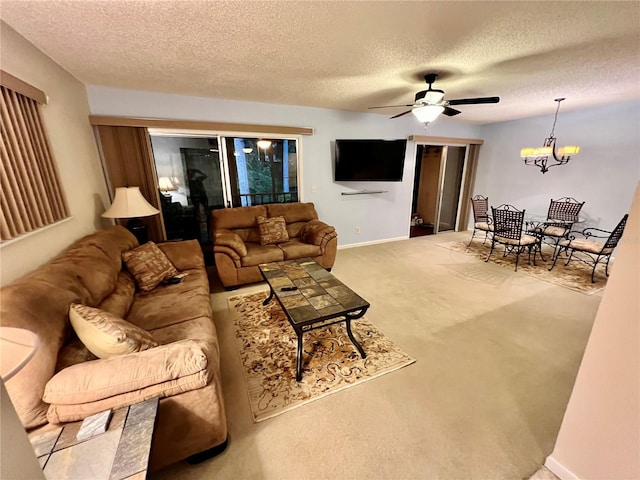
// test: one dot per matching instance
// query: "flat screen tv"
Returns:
(369, 160)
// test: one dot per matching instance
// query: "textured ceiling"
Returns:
(347, 55)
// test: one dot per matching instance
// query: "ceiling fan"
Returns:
(430, 103)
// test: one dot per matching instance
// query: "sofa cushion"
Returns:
(106, 335)
(272, 230)
(120, 299)
(293, 212)
(296, 249)
(92, 381)
(73, 352)
(238, 217)
(257, 254)
(184, 255)
(173, 304)
(149, 265)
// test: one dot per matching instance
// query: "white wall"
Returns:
(66, 118)
(380, 217)
(600, 434)
(604, 174)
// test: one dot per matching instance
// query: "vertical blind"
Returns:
(31, 195)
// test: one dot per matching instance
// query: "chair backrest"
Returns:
(480, 207)
(616, 234)
(565, 209)
(507, 221)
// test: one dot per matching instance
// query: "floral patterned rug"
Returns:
(575, 276)
(330, 363)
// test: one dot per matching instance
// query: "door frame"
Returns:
(472, 146)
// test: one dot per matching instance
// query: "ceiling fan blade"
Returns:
(450, 112)
(391, 106)
(473, 101)
(401, 114)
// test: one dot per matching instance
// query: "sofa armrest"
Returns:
(226, 238)
(317, 232)
(108, 377)
(184, 255)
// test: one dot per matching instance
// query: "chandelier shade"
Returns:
(546, 156)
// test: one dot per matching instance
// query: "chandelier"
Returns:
(542, 157)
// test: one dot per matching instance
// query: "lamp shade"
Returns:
(427, 113)
(166, 185)
(129, 203)
(17, 346)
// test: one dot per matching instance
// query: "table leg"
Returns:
(269, 298)
(299, 357)
(353, 340)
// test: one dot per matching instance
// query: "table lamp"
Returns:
(129, 203)
(18, 460)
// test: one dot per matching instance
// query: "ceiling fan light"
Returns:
(427, 113)
(247, 149)
(569, 150)
(264, 144)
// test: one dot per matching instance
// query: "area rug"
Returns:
(330, 363)
(575, 276)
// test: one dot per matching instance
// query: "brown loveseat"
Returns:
(184, 370)
(238, 250)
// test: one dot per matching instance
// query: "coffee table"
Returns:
(312, 298)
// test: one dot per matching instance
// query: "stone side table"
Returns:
(120, 453)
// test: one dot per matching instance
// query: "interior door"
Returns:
(438, 188)
(426, 193)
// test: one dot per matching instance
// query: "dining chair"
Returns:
(481, 219)
(594, 251)
(507, 230)
(562, 214)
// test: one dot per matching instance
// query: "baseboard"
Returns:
(559, 470)
(373, 242)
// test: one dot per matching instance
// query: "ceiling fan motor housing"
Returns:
(430, 96)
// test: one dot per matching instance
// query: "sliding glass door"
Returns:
(200, 173)
(262, 170)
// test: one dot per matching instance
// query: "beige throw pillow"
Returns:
(272, 230)
(106, 335)
(149, 266)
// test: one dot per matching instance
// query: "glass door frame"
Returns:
(223, 157)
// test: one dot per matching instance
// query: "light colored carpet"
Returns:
(575, 276)
(331, 362)
(495, 366)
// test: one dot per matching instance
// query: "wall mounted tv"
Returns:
(369, 160)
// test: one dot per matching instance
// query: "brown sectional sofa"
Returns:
(184, 370)
(236, 240)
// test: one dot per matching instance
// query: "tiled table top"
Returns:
(120, 453)
(320, 295)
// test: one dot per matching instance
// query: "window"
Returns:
(30, 193)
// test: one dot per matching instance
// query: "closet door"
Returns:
(128, 160)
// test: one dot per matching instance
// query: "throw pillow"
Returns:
(106, 335)
(272, 230)
(149, 266)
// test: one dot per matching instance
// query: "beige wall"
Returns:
(600, 433)
(74, 149)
